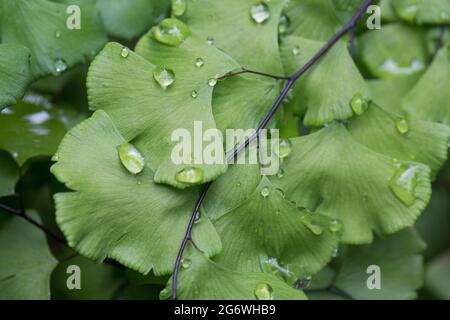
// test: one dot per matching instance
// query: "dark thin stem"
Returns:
(23, 215)
(287, 86)
(246, 71)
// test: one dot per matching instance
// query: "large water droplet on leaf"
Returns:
(403, 183)
(186, 263)
(171, 32)
(312, 225)
(131, 158)
(199, 62)
(194, 94)
(336, 226)
(212, 82)
(210, 40)
(190, 175)
(264, 291)
(124, 53)
(164, 76)
(296, 50)
(260, 12)
(359, 104)
(402, 126)
(283, 24)
(60, 66)
(179, 7)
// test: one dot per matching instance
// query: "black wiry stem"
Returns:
(288, 85)
(24, 216)
(244, 71)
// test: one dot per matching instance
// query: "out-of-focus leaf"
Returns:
(97, 281)
(430, 97)
(9, 174)
(437, 276)
(204, 279)
(26, 262)
(41, 26)
(14, 73)
(383, 51)
(400, 262)
(30, 129)
(423, 11)
(128, 19)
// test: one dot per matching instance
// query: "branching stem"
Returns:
(287, 86)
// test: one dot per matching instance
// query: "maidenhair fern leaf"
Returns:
(14, 73)
(329, 172)
(113, 213)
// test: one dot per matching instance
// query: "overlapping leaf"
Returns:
(422, 11)
(9, 174)
(327, 90)
(400, 272)
(128, 19)
(430, 97)
(424, 142)
(255, 217)
(147, 114)
(206, 280)
(115, 214)
(329, 172)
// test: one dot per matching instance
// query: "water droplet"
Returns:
(194, 94)
(359, 104)
(336, 226)
(264, 291)
(212, 82)
(186, 263)
(335, 252)
(285, 148)
(58, 34)
(131, 158)
(199, 62)
(190, 175)
(265, 192)
(303, 283)
(171, 32)
(164, 76)
(283, 24)
(311, 225)
(260, 12)
(124, 53)
(210, 41)
(296, 50)
(403, 183)
(280, 173)
(60, 66)
(179, 7)
(402, 126)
